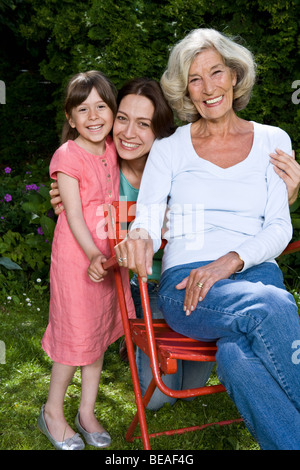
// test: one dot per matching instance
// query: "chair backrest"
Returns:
(122, 213)
(293, 247)
(118, 216)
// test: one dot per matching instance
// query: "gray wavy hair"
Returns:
(238, 58)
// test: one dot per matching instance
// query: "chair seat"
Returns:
(171, 345)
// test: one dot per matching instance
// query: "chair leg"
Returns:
(136, 420)
(132, 363)
(150, 390)
(140, 415)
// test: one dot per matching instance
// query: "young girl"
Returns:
(84, 317)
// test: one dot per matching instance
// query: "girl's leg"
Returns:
(90, 378)
(58, 427)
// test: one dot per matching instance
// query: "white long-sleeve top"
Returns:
(212, 210)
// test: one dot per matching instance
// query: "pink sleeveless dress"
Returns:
(84, 316)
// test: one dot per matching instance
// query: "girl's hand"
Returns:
(289, 170)
(70, 194)
(95, 270)
(55, 200)
(200, 280)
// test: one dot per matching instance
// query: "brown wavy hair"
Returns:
(163, 121)
(78, 89)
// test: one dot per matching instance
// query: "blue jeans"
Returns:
(256, 324)
(189, 374)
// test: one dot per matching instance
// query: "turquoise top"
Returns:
(126, 190)
(130, 193)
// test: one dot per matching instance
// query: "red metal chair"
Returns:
(155, 338)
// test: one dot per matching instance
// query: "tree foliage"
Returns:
(53, 39)
(47, 41)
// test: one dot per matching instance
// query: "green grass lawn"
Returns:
(24, 381)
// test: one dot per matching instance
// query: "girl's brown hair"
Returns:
(78, 89)
(163, 121)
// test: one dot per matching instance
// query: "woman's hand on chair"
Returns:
(136, 253)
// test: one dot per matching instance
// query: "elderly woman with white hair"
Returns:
(228, 219)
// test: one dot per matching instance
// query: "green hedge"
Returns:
(53, 39)
(49, 40)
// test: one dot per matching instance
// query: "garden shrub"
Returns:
(52, 40)
(27, 225)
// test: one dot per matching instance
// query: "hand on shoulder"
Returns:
(288, 169)
(55, 199)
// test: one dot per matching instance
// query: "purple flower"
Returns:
(40, 231)
(7, 169)
(7, 197)
(30, 187)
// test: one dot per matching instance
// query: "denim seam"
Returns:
(272, 359)
(247, 424)
(221, 311)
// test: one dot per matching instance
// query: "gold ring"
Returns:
(199, 284)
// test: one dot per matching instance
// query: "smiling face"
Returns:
(132, 131)
(210, 85)
(93, 120)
